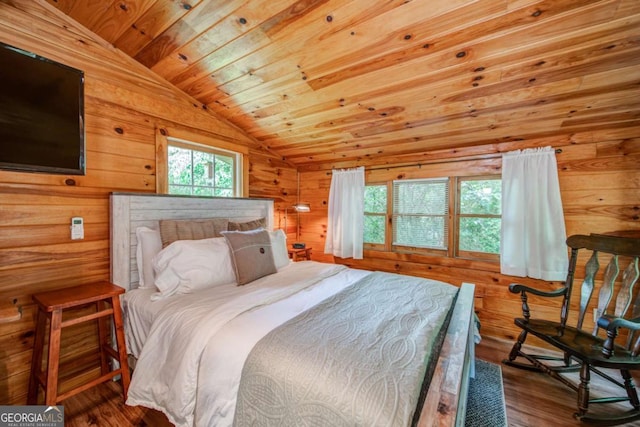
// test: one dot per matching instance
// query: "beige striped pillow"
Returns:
(191, 229)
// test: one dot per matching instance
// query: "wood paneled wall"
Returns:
(600, 187)
(125, 103)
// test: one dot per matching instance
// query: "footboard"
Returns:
(446, 400)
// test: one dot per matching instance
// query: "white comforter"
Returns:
(191, 363)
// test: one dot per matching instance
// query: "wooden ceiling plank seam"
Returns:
(193, 54)
(627, 8)
(178, 83)
(461, 139)
(202, 62)
(370, 38)
(319, 96)
(605, 48)
(153, 22)
(89, 12)
(321, 48)
(281, 50)
(571, 99)
(514, 130)
(400, 79)
(185, 29)
(598, 112)
(413, 152)
(207, 66)
(119, 17)
(497, 26)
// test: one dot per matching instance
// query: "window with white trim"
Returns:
(199, 170)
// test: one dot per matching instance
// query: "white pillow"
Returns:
(149, 244)
(186, 266)
(279, 248)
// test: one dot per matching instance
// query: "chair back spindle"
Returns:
(606, 290)
(629, 279)
(588, 285)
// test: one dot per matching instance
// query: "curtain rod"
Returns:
(466, 159)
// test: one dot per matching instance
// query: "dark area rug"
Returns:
(485, 403)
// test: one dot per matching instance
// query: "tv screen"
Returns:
(41, 114)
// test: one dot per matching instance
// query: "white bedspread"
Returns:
(191, 362)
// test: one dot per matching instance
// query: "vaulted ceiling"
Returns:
(339, 81)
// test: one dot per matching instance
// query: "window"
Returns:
(375, 215)
(424, 219)
(202, 171)
(478, 216)
(420, 213)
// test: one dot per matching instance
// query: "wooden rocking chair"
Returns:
(584, 350)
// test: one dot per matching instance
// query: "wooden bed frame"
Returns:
(446, 399)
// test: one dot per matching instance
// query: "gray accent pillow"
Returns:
(251, 254)
(249, 225)
(191, 229)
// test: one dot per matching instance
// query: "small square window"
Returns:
(201, 171)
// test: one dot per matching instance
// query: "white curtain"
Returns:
(533, 231)
(345, 225)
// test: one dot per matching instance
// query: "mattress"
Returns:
(192, 348)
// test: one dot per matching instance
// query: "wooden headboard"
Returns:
(132, 210)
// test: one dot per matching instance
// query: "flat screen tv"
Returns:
(41, 114)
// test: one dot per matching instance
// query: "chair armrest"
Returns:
(517, 288)
(611, 325)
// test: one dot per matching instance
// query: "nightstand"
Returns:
(105, 297)
(298, 254)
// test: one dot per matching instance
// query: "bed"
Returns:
(227, 366)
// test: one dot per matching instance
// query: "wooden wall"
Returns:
(599, 176)
(125, 103)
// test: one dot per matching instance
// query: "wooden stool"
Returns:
(50, 306)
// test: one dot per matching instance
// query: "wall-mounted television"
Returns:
(41, 114)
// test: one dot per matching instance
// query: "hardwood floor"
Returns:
(535, 399)
(532, 399)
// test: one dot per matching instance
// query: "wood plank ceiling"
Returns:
(339, 82)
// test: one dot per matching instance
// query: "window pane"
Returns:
(421, 197)
(480, 197)
(223, 172)
(223, 192)
(421, 209)
(202, 191)
(420, 231)
(480, 235)
(374, 228)
(202, 168)
(179, 166)
(375, 199)
(180, 189)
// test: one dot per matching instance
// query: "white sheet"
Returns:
(169, 376)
